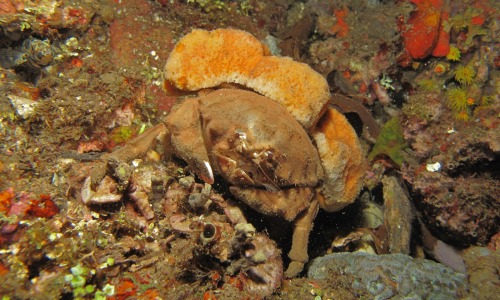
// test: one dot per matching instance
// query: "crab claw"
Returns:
(106, 192)
(186, 139)
(207, 173)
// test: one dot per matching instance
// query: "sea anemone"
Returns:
(464, 74)
(454, 54)
(457, 99)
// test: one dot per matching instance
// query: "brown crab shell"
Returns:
(253, 143)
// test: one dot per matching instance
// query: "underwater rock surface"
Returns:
(391, 276)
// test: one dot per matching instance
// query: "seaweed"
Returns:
(390, 143)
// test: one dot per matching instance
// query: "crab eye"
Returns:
(209, 231)
(241, 135)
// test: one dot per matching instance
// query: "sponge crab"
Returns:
(282, 151)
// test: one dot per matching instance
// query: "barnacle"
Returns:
(457, 99)
(454, 54)
(465, 74)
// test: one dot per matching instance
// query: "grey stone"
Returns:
(391, 276)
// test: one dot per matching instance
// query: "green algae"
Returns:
(390, 142)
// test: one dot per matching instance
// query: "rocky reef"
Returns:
(400, 100)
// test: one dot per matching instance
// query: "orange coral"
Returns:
(442, 47)
(43, 208)
(341, 29)
(11, 6)
(204, 59)
(6, 200)
(125, 289)
(342, 158)
(149, 294)
(4, 270)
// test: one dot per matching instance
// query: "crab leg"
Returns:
(139, 145)
(300, 240)
(136, 147)
(288, 203)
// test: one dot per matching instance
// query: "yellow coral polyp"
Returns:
(465, 74)
(462, 116)
(486, 100)
(454, 54)
(428, 85)
(457, 99)
(122, 134)
(441, 68)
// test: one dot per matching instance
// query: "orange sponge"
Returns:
(422, 28)
(204, 59)
(342, 158)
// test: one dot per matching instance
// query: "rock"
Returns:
(391, 276)
(24, 107)
(483, 267)
(398, 216)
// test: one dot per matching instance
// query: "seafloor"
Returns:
(417, 79)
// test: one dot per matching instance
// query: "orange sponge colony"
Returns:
(204, 59)
(422, 32)
(342, 158)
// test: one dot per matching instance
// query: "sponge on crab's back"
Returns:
(204, 59)
(342, 158)
(294, 85)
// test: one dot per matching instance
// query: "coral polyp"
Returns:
(457, 101)
(465, 74)
(428, 85)
(462, 116)
(441, 68)
(454, 54)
